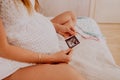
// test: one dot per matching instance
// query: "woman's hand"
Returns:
(59, 57)
(62, 56)
(65, 30)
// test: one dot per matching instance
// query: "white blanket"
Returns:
(93, 58)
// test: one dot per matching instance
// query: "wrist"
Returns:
(45, 58)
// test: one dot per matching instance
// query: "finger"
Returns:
(73, 29)
(63, 34)
(66, 36)
(68, 51)
(67, 33)
(65, 51)
(71, 32)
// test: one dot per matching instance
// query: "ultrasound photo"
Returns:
(72, 42)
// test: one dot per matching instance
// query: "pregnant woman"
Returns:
(29, 43)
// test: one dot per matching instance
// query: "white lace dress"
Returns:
(36, 33)
(33, 32)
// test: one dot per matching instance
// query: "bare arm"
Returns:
(19, 54)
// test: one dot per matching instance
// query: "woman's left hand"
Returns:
(65, 30)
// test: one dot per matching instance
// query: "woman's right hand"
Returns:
(58, 57)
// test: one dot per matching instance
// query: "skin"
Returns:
(64, 23)
(48, 68)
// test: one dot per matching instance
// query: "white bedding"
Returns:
(92, 58)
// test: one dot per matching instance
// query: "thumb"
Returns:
(73, 29)
(70, 53)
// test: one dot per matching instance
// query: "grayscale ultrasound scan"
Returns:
(72, 42)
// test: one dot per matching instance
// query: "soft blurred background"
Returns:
(54, 7)
(105, 12)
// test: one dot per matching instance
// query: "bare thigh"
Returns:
(46, 72)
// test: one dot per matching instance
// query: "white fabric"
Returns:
(94, 61)
(91, 58)
(89, 30)
(33, 32)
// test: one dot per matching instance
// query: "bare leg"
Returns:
(46, 72)
(65, 18)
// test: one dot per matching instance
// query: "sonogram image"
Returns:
(72, 42)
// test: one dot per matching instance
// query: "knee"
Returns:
(70, 12)
(72, 15)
